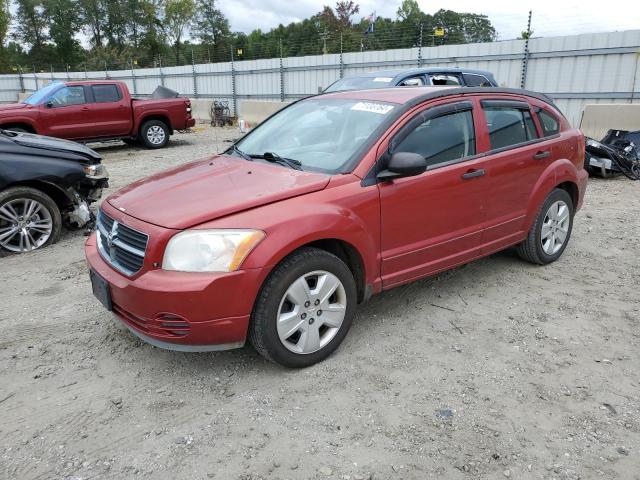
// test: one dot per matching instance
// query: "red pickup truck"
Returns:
(98, 110)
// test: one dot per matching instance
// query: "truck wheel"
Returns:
(551, 230)
(304, 309)
(29, 219)
(154, 134)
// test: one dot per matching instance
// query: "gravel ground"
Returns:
(496, 369)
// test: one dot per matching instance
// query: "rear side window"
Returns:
(509, 126)
(474, 80)
(442, 139)
(417, 81)
(550, 124)
(105, 93)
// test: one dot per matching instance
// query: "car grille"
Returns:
(121, 246)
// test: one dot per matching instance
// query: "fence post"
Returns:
(525, 57)
(233, 85)
(21, 78)
(341, 61)
(161, 71)
(420, 47)
(133, 78)
(35, 77)
(106, 71)
(86, 76)
(52, 77)
(194, 74)
(281, 75)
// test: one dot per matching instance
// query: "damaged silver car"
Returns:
(45, 184)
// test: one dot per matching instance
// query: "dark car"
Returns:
(416, 77)
(333, 199)
(44, 183)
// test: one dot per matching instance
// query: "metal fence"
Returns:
(574, 70)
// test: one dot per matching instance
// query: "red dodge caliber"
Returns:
(333, 199)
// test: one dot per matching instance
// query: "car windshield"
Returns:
(360, 83)
(39, 96)
(320, 133)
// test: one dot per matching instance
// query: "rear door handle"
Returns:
(542, 154)
(473, 174)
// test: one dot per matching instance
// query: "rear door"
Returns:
(66, 113)
(109, 111)
(516, 159)
(433, 221)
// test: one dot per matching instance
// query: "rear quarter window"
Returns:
(550, 124)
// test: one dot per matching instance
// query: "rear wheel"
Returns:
(551, 230)
(154, 134)
(29, 219)
(304, 309)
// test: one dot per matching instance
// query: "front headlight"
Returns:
(94, 171)
(210, 250)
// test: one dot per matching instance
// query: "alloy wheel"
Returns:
(555, 227)
(25, 225)
(156, 135)
(311, 312)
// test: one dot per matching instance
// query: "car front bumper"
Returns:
(194, 312)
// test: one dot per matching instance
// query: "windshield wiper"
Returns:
(234, 149)
(275, 158)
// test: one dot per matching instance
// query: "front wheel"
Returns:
(29, 219)
(154, 134)
(551, 230)
(304, 309)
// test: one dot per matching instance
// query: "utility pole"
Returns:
(323, 37)
(525, 58)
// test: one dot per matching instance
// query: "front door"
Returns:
(434, 221)
(66, 113)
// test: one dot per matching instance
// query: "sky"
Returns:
(550, 17)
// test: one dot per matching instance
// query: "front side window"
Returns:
(105, 93)
(549, 123)
(442, 139)
(509, 126)
(412, 82)
(321, 133)
(68, 96)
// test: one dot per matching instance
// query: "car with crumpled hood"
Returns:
(45, 184)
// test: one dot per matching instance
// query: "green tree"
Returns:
(63, 24)
(409, 11)
(209, 25)
(178, 14)
(32, 27)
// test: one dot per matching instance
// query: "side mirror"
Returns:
(48, 104)
(404, 164)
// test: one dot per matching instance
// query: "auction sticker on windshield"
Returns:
(381, 108)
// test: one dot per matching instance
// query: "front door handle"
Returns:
(542, 154)
(473, 174)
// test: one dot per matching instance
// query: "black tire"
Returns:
(531, 249)
(16, 193)
(263, 334)
(150, 125)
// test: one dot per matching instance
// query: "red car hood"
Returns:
(208, 189)
(10, 107)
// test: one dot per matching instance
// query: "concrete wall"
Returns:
(600, 118)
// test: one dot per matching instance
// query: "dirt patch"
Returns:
(496, 369)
